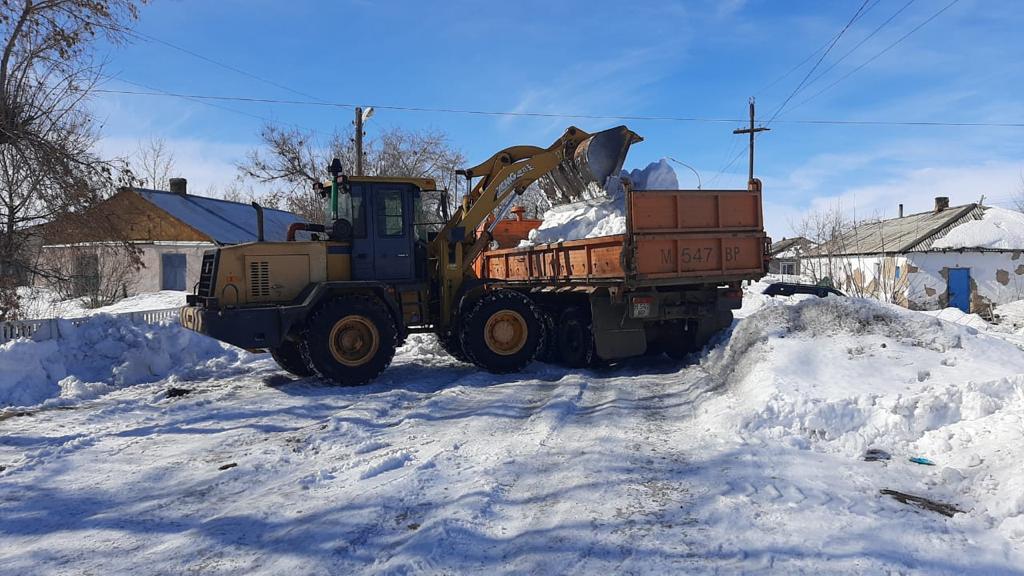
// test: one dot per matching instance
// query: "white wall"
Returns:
(149, 277)
(920, 283)
(996, 278)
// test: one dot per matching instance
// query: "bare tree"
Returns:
(153, 163)
(292, 160)
(47, 164)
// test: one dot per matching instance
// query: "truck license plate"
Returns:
(642, 307)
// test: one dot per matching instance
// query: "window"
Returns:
(788, 268)
(358, 213)
(391, 214)
(86, 276)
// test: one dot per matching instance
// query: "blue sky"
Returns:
(682, 59)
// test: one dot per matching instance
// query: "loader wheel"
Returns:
(502, 332)
(350, 340)
(575, 339)
(289, 357)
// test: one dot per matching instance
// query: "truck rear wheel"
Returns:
(502, 332)
(289, 357)
(350, 340)
(575, 339)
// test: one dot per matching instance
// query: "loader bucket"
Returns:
(582, 174)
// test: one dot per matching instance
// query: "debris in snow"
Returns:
(227, 466)
(922, 502)
(605, 213)
(174, 392)
(921, 460)
(876, 454)
(998, 228)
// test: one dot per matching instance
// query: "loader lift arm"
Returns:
(574, 160)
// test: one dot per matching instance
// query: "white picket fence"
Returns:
(49, 328)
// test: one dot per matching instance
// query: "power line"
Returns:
(257, 100)
(818, 63)
(223, 65)
(879, 54)
(808, 58)
(861, 43)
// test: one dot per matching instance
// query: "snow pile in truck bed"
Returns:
(842, 375)
(604, 216)
(103, 354)
(998, 228)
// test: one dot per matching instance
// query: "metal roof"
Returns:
(787, 243)
(223, 221)
(912, 233)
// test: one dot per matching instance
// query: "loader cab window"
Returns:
(391, 213)
(358, 212)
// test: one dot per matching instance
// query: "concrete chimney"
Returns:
(901, 210)
(941, 203)
(179, 186)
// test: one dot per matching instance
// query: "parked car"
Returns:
(790, 288)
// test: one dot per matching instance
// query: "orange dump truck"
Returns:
(667, 285)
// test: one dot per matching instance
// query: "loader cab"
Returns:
(385, 246)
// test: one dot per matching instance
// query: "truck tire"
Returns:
(452, 344)
(575, 339)
(549, 351)
(502, 332)
(289, 357)
(350, 340)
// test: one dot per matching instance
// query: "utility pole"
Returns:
(752, 130)
(358, 140)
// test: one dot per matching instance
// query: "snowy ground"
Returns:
(748, 461)
(40, 303)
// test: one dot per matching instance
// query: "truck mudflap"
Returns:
(616, 335)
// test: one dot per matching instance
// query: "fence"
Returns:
(50, 327)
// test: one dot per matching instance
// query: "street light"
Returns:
(691, 170)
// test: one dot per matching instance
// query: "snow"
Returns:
(998, 228)
(747, 461)
(605, 213)
(41, 303)
(103, 354)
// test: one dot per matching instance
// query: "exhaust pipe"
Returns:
(259, 221)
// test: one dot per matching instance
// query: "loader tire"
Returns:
(575, 339)
(350, 340)
(289, 357)
(502, 333)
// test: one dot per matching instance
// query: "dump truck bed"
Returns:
(672, 237)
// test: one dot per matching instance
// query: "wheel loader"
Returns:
(337, 306)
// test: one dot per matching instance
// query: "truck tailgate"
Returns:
(694, 233)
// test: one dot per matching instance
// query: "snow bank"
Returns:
(103, 354)
(603, 215)
(998, 228)
(841, 375)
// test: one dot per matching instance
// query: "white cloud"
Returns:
(207, 165)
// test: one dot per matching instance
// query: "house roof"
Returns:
(223, 221)
(912, 233)
(789, 243)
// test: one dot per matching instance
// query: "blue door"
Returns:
(172, 272)
(958, 287)
(392, 224)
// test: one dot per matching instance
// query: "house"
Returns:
(968, 257)
(169, 231)
(786, 254)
